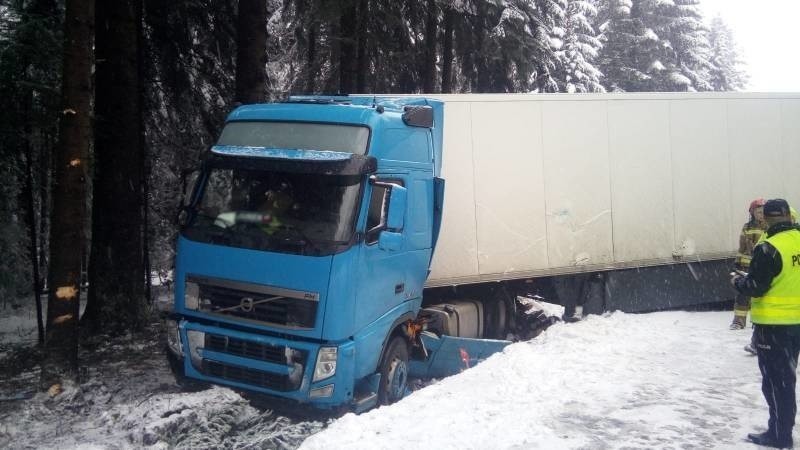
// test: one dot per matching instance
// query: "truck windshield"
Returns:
(299, 135)
(276, 211)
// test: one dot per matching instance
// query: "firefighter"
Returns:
(774, 284)
(751, 234)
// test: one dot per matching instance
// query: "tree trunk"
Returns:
(447, 51)
(46, 177)
(30, 221)
(429, 63)
(311, 57)
(363, 35)
(330, 33)
(146, 167)
(483, 75)
(116, 266)
(347, 54)
(37, 13)
(251, 51)
(69, 199)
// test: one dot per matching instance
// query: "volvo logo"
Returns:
(246, 304)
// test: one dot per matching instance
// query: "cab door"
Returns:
(384, 254)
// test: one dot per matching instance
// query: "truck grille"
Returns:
(249, 376)
(277, 354)
(264, 304)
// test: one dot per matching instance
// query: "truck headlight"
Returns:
(174, 338)
(191, 296)
(326, 363)
(197, 340)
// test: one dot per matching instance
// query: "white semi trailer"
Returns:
(615, 202)
(645, 192)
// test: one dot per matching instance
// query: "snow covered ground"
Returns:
(17, 325)
(662, 380)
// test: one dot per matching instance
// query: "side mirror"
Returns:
(185, 215)
(418, 116)
(396, 213)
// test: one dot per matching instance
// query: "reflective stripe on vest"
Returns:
(781, 304)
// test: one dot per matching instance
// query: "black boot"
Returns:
(767, 439)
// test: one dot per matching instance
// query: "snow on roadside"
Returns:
(128, 399)
(661, 380)
(17, 325)
(213, 418)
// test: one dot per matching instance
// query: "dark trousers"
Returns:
(778, 347)
(742, 302)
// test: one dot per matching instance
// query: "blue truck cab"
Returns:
(304, 248)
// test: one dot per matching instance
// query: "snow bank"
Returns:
(663, 380)
(128, 399)
(92, 417)
(208, 419)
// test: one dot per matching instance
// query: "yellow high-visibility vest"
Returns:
(781, 304)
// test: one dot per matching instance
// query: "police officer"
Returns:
(774, 284)
(750, 236)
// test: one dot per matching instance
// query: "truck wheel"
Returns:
(394, 372)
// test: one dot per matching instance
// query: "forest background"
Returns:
(106, 106)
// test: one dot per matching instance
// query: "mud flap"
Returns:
(448, 355)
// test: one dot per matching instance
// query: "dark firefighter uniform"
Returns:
(774, 284)
(749, 237)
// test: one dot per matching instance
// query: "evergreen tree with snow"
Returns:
(629, 56)
(505, 46)
(726, 73)
(683, 49)
(577, 48)
(654, 45)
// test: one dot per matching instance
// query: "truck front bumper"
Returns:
(265, 364)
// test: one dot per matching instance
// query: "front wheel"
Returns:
(394, 372)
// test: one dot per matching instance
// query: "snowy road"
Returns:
(672, 380)
(663, 380)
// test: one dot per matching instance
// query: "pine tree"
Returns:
(628, 58)
(251, 51)
(505, 46)
(577, 49)
(30, 49)
(726, 73)
(189, 48)
(69, 198)
(116, 298)
(683, 50)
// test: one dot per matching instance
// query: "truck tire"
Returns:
(495, 318)
(394, 372)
